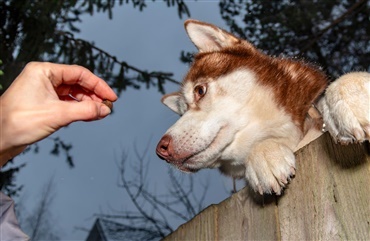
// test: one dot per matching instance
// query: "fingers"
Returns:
(79, 75)
(82, 111)
(76, 92)
(61, 74)
(33, 99)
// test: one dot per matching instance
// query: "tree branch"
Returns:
(335, 22)
(123, 64)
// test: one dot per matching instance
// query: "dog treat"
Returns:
(108, 103)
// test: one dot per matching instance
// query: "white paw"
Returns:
(346, 108)
(270, 167)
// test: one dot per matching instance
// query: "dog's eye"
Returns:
(199, 91)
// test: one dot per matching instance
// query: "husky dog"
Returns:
(245, 112)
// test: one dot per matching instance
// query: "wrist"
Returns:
(9, 147)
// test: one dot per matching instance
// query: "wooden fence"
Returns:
(329, 199)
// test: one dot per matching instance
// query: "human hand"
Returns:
(38, 103)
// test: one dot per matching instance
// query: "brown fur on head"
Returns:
(296, 84)
(242, 111)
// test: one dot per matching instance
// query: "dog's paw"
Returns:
(346, 108)
(269, 167)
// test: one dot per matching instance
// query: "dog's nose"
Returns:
(163, 148)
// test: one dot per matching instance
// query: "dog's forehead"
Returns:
(211, 65)
(208, 67)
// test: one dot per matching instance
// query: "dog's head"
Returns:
(227, 102)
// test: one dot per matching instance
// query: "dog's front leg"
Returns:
(269, 166)
(346, 108)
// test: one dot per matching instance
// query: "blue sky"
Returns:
(151, 40)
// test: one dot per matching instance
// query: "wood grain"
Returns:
(329, 199)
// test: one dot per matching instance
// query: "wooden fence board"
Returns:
(329, 199)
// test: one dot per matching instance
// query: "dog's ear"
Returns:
(176, 102)
(207, 37)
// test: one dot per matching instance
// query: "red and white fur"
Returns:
(245, 112)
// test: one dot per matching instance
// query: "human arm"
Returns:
(38, 103)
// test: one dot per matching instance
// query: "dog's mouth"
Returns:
(203, 158)
(183, 164)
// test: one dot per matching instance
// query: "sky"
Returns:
(150, 40)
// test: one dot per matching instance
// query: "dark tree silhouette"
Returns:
(335, 34)
(153, 215)
(53, 40)
(44, 31)
(39, 223)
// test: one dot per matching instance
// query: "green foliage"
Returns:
(333, 33)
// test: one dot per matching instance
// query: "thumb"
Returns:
(86, 110)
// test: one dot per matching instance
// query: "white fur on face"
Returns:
(248, 123)
(227, 122)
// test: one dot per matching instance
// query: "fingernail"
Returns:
(104, 110)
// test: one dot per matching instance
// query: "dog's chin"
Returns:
(192, 164)
(196, 163)
(186, 169)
